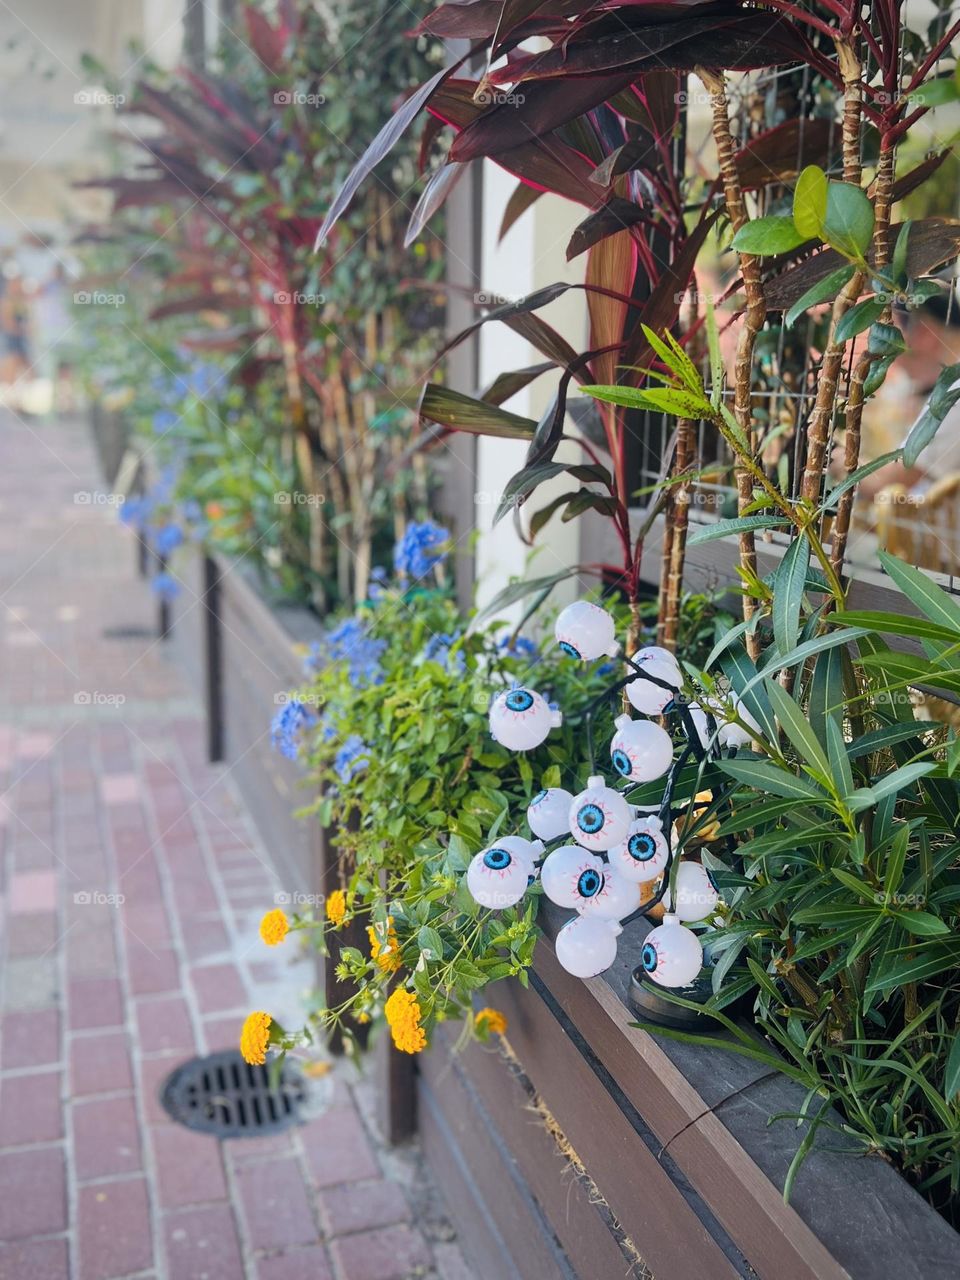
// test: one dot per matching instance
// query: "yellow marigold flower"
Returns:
(384, 951)
(274, 927)
(403, 1015)
(337, 907)
(255, 1037)
(490, 1022)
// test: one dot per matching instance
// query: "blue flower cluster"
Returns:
(288, 724)
(350, 642)
(352, 758)
(437, 649)
(419, 550)
(167, 538)
(512, 646)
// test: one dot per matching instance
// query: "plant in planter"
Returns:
(229, 189)
(838, 905)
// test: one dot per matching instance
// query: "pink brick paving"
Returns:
(131, 882)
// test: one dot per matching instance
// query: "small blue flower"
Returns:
(352, 758)
(135, 512)
(417, 551)
(437, 649)
(288, 724)
(313, 659)
(164, 420)
(167, 538)
(165, 586)
(512, 646)
(350, 642)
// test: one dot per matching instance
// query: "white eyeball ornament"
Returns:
(549, 813)
(585, 631)
(648, 697)
(734, 735)
(640, 750)
(520, 719)
(599, 816)
(696, 893)
(498, 877)
(616, 898)
(587, 945)
(644, 854)
(570, 875)
(672, 955)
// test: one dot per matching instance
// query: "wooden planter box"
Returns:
(582, 1146)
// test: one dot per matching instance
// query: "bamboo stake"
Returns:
(753, 321)
(686, 447)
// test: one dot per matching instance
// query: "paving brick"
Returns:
(146, 923)
(189, 1167)
(113, 1221)
(95, 1002)
(35, 1260)
(30, 1038)
(221, 1033)
(106, 1138)
(204, 938)
(33, 1198)
(31, 935)
(311, 1263)
(218, 987)
(275, 1204)
(164, 1025)
(151, 972)
(450, 1263)
(92, 953)
(31, 891)
(392, 1253)
(203, 1245)
(100, 1064)
(338, 1149)
(30, 982)
(30, 1109)
(361, 1206)
(152, 1074)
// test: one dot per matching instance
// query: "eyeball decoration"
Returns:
(644, 854)
(616, 898)
(587, 945)
(672, 955)
(498, 876)
(585, 631)
(521, 718)
(599, 816)
(549, 813)
(696, 894)
(640, 750)
(734, 735)
(571, 874)
(649, 698)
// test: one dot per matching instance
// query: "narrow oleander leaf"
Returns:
(738, 524)
(788, 584)
(951, 1079)
(931, 600)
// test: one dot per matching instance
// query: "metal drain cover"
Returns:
(223, 1095)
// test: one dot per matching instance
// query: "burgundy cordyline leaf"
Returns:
(438, 187)
(266, 41)
(479, 20)
(783, 151)
(616, 215)
(521, 198)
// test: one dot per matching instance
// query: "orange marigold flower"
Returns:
(385, 951)
(337, 907)
(490, 1022)
(255, 1037)
(403, 1014)
(274, 927)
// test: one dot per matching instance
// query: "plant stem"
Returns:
(685, 458)
(753, 321)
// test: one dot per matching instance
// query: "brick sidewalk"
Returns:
(132, 883)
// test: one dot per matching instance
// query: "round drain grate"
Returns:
(224, 1095)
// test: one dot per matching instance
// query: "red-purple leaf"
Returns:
(616, 215)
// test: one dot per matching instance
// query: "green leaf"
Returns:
(717, 368)
(824, 290)
(525, 481)
(951, 1079)
(429, 940)
(810, 202)
(724, 528)
(942, 399)
(515, 591)
(797, 728)
(926, 963)
(766, 236)
(839, 760)
(860, 316)
(931, 600)
(897, 624)
(453, 409)
(848, 226)
(905, 776)
(746, 683)
(921, 923)
(934, 93)
(788, 583)
(764, 776)
(826, 690)
(861, 473)
(899, 264)
(675, 359)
